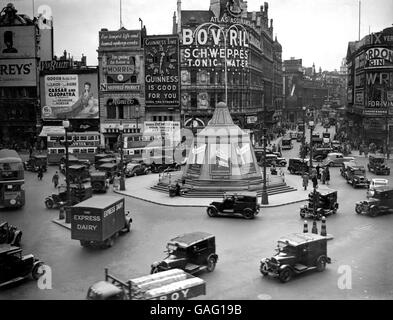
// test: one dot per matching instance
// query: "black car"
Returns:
(298, 166)
(320, 203)
(191, 252)
(15, 267)
(381, 202)
(377, 165)
(10, 234)
(245, 204)
(99, 182)
(356, 176)
(320, 154)
(35, 162)
(296, 253)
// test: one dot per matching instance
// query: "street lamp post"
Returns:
(66, 125)
(122, 180)
(304, 133)
(265, 198)
(311, 125)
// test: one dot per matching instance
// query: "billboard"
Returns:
(70, 96)
(17, 42)
(120, 39)
(18, 73)
(162, 70)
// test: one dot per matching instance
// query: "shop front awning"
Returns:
(51, 130)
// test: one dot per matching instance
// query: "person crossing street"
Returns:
(55, 179)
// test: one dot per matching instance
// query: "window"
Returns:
(121, 112)
(193, 76)
(194, 100)
(110, 109)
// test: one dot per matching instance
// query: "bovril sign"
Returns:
(18, 72)
(379, 57)
(210, 44)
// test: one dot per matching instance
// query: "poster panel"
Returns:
(17, 42)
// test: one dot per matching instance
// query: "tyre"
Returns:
(302, 214)
(37, 271)
(353, 184)
(211, 264)
(128, 226)
(331, 164)
(321, 264)
(373, 211)
(248, 214)
(84, 243)
(263, 268)
(109, 242)
(154, 270)
(285, 275)
(49, 203)
(211, 212)
(358, 210)
(291, 171)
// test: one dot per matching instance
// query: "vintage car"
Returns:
(99, 182)
(298, 166)
(320, 203)
(10, 234)
(356, 176)
(344, 168)
(296, 254)
(245, 204)
(377, 184)
(380, 203)
(320, 154)
(78, 193)
(336, 146)
(15, 267)
(272, 159)
(377, 165)
(110, 169)
(101, 156)
(100, 162)
(293, 135)
(286, 143)
(191, 252)
(136, 169)
(78, 173)
(72, 160)
(35, 162)
(336, 159)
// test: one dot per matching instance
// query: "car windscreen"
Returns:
(284, 247)
(358, 172)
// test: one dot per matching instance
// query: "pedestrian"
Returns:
(305, 178)
(327, 175)
(274, 147)
(116, 182)
(318, 172)
(40, 173)
(30, 151)
(324, 176)
(55, 179)
(314, 180)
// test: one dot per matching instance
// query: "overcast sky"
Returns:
(315, 30)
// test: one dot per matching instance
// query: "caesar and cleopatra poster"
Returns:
(70, 96)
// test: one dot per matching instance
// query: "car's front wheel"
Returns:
(211, 212)
(264, 269)
(285, 275)
(154, 270)
(248, 214)
(37, 270)
(358, 210)
(211, 264)
(373, 211)
(321, 264)
(49, 203)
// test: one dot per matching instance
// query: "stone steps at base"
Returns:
(219, 194)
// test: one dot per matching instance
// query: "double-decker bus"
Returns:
(83, 145)
(12, 189)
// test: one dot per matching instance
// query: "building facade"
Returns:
(228, 54)
(303, 88)
(68, 90)
(370, 89)
(121, 86)
(23, 42)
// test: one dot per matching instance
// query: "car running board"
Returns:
(300, 267)
(11, 281)
(190, 267)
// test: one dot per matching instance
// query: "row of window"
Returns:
(18, 92)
